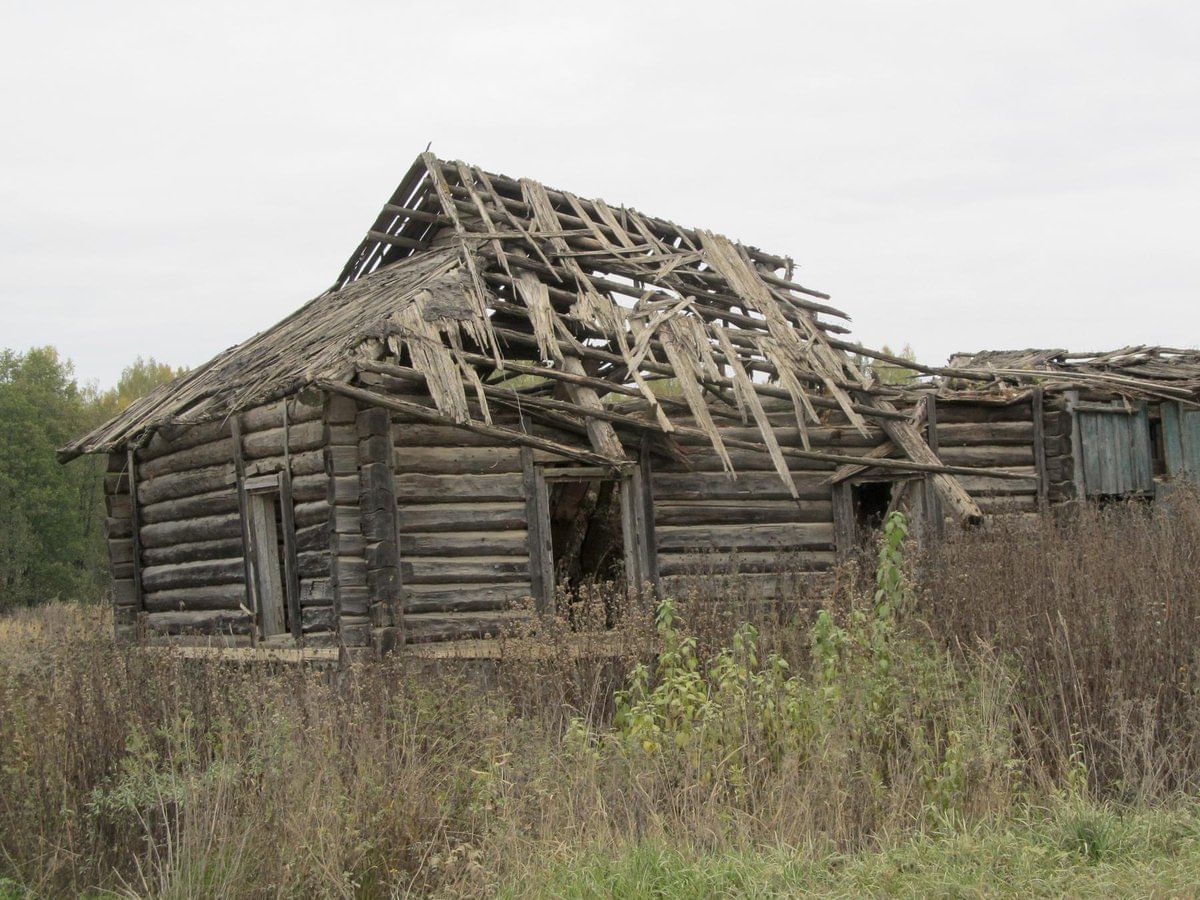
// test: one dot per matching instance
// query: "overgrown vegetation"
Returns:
(51, 516)
(1014, 707)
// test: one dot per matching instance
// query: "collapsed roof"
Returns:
(466, 274)
(1157, 373)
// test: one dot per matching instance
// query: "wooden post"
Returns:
(934, 517)
(844, 531)
(380, 510)
(537, 523)
(139, 603)
(1037, 407)
(650, 539)
(249, 566)
(1076, 447)
(633, 531)
(287, 517)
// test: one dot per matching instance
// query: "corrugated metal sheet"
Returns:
(1117, 457)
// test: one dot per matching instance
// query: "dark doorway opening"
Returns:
(871, 500)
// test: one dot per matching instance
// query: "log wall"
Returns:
(190, 559)
(463, 533)
(708, 524)
(972, 432)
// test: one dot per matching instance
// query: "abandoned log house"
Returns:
(511, 391)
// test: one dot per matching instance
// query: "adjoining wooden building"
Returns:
(510, 389)
(1120, 424)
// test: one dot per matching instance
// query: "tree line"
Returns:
(52, 516)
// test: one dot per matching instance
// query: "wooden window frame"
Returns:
(637, 523)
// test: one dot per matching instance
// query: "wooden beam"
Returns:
(287, 517)
(397, 240)
(248, 555)
(425, 414)
(537, 522)
(135, 525)
(649, 538)
(1037, 406)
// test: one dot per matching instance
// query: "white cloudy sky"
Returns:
(175, 176)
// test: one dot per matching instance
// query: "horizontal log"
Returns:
(422, 628)
(198, 573)
(224, 548)
(414, 488)
(204, 528)
(170, 439)
(201, 456)
(420, 434)
(729, 512)
(118, 506)
(463, 597)
(118, 527)
(301, 437)
(460, 460)
(747, 485)
(783, 536)
(314, 563)
(981, 485)
(210, 597)
(463, 569)
(1004, 505)
(317, 618)
(966, 434)
(310, 462)
(210, 504)
(718, 563)
(461, 517)
(465, 543)
(310, 487)
(120, 550)
(508, 435)
(1003, 457)
(173, 438)
(311, 513)
(213, 622)
(951, 412)
(185, 484)
(697, 460)
(316, 591)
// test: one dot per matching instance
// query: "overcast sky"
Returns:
(175, 177)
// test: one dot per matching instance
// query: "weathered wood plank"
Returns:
(416, 488)
(464, 569)
(817, 535)
(462, 516)
(465, 543)
(425, 627)
(198, 573)
(729, 512)
(469, 597)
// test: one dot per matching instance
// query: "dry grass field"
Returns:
(1013, 711)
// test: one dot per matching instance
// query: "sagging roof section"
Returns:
(466, 274)
(1155, 373)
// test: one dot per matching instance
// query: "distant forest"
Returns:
(52, 516)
